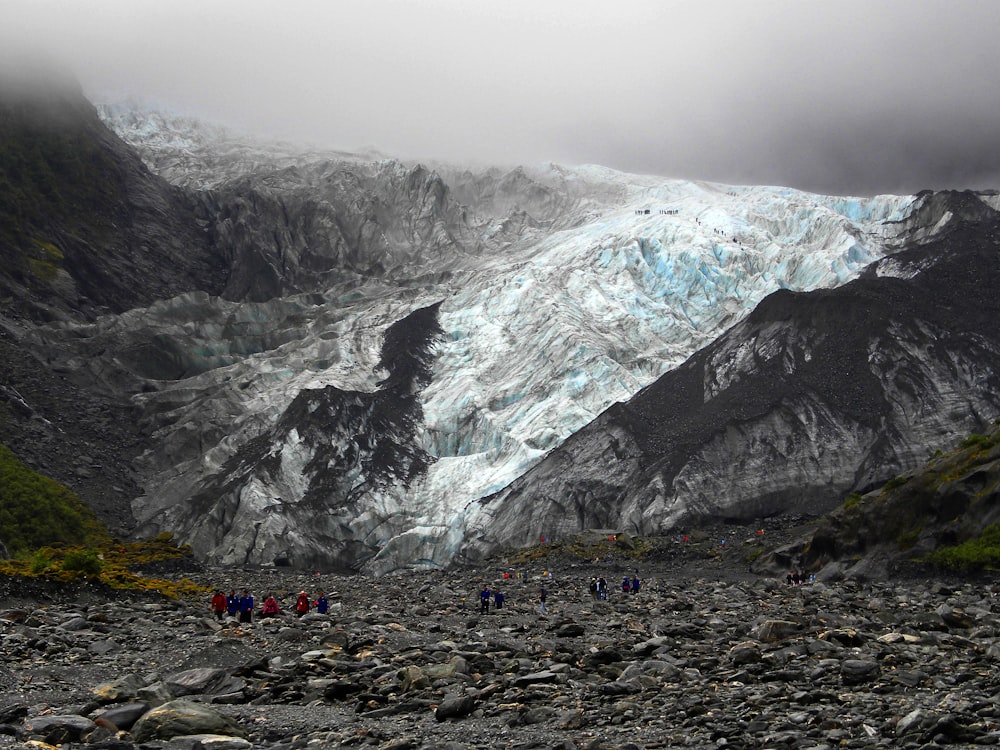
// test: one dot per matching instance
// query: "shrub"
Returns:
(84, 561)
(40, 562)
(980, 553)
(907, 539)
(852, 500)
(36, 511)
(977, 441)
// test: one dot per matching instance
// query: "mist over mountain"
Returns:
(341, 361)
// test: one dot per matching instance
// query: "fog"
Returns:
(846, 97)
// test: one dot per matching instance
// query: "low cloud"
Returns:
(851, 98)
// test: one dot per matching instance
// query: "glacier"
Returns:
(558, 291)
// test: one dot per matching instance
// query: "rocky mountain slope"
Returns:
(812, 396)
(336, 357)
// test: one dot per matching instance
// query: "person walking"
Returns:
(484, 599)
(219, 605)
(541, 600)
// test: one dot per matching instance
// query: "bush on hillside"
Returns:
(36, 511)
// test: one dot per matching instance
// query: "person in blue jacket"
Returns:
(246, 606)
(321, 604)
(232, 603)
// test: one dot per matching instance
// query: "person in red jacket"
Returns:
(302, 603)
(270, 608)
(219, 605)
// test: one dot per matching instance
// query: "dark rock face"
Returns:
(85, 227)
(812, 396)
(950, 500)
(344, 445)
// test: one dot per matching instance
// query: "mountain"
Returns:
(85, 228)
(812, 396)
(347, 361)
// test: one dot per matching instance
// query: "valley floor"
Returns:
(705, 655)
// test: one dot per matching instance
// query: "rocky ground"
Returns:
(707, 654)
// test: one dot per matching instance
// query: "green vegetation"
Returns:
(907, 539)
(86, 561)
(894, 483)
(982, 441)
(47, 266)
(53, 535)
(58, 185)
(585, 548)
(852, 500)
(981, 553)
(36, 511)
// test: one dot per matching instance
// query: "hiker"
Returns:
(635, 584)
(498, 600)
(602, 588)
(541, 600)
(593, 587)
(232, 603)
(626, 585)
(302, 604)
(484, 599)
(270, 608)
(219, 605)
(321, 604)
(246, 606)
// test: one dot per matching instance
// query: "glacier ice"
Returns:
(587, 285)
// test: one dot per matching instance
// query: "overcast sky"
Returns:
(839, 96)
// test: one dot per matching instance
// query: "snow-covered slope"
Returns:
(558, 291)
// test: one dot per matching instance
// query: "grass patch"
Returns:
(852, 500)
(110, 564)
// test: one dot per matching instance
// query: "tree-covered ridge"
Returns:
(36, 511)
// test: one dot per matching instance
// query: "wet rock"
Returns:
(181, 717)
(59, 729)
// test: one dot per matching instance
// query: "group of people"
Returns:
(485, 595)
(241, 606)
(599, 586)
(796, 577)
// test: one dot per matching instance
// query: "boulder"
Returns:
(181, 717)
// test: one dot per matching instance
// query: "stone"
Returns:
(59, 729)
(455, 707)
(181, 717)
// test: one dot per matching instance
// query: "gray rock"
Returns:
(194, 681)
(59, 729)
(455, 707)
(123, 716)
(181, 717)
